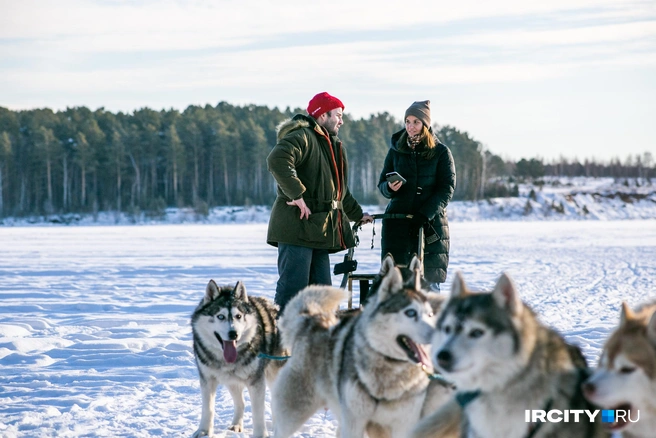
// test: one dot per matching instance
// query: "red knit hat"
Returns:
(322, 103)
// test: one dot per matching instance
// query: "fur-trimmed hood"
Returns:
(297, 122)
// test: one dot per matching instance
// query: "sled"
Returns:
(349, 265)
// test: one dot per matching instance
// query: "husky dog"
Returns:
(503, 362)
(439, 390)
(230, 330)
(626, 375)
(366, 366)
(407, 273)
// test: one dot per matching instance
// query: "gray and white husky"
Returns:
(504, 362)
(230, 330)
(366, 366)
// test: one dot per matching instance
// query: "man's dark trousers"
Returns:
(299, 266)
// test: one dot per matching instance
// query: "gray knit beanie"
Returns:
(420, 110)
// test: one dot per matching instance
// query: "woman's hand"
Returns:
(395, 186)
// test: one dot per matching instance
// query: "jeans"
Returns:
(434, 287)
(298, 267)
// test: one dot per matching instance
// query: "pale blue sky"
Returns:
(573, 78)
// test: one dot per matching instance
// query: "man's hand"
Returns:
(366, 218)
(300, 203)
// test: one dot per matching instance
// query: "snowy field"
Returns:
(94, 320)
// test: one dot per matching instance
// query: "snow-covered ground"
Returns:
(94, 320)
(566, 199)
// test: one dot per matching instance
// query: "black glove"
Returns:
(418, 220)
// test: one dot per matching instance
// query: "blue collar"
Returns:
(464, 398)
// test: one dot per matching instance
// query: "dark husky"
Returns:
(230, 331)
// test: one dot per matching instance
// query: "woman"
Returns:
(428, 181)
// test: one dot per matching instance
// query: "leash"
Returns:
(438, 377)
(373, 232)
(268, 356)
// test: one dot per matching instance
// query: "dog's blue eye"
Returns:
(411, 313)
(221, 317)
(476, 333)
(627, 370)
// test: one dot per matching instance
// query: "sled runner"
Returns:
(349, 265)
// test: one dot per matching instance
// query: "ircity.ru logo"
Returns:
(576, 415)
(615, 415)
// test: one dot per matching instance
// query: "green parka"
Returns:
(307, 162)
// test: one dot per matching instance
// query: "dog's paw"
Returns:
(236, 428)
(201, 433)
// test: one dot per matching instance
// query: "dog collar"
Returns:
(268, 356)
(464, 398)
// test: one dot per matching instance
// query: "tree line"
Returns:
(79, 160)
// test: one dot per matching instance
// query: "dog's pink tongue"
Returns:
(420, 353)
(230, 351)
(423, 357)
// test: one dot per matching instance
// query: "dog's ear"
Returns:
(392, 281)
(415, 263)
(626, 313)
(506, 296)
(458, 288)
(212, 292)
(240, 292)
(436, 301)
(386, 265)
(416, 269)
(651, 329)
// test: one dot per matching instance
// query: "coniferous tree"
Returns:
(47, 146)
(5, 156)
(81, 160)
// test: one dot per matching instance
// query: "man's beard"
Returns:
(332, 129)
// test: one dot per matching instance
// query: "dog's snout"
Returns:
(445, 360)
(232, 335)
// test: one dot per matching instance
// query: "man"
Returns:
(311, 214)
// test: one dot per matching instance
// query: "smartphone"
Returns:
(394, 176)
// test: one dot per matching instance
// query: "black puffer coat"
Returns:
(428, 190)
